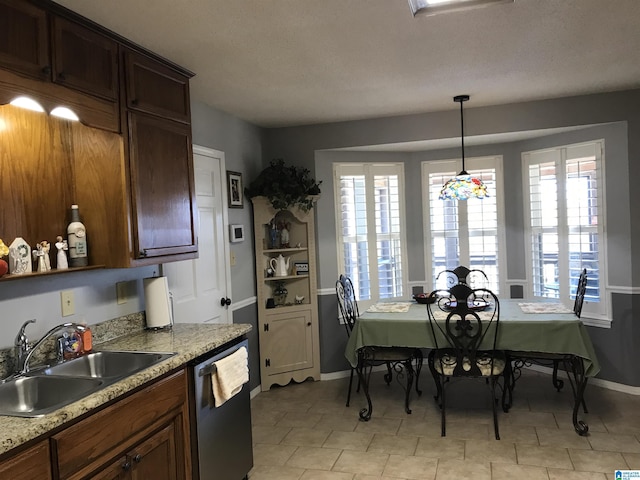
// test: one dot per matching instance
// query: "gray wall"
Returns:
(307, 146)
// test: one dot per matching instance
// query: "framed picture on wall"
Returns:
(234, 189)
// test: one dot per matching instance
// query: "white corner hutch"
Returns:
(288, 333)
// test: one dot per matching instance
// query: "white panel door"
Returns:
(198, 285)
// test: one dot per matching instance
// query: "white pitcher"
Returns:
(280, 266)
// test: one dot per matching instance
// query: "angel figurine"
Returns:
(61, 259)
(38, 257)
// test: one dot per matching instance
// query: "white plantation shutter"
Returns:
(566, 222)
(370, 228)
(463, 232)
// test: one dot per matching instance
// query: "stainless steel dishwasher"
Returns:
(221, 443)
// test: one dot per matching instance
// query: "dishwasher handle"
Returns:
(207, 370)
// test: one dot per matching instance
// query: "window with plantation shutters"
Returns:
(566, 222)
(464, 232)
(370, 226)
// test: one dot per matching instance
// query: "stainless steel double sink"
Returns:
(46, 389)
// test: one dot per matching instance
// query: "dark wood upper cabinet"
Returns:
(24, 39)
(131, 172)
(157, 89)
(84, 59)
(162, 187)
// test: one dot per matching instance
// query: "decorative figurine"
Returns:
(39, 255)
(46, 247)
(61, 259)
(299, 299)
(284, 234)
(20, 257)
(4, 251)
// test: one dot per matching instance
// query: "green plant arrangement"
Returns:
(285, 186)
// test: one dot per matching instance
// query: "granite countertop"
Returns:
(188, 340)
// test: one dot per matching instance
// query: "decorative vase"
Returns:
(280, 294)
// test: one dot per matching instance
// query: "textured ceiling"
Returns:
(294, 62)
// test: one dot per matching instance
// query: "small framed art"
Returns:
(302, 268)
(234, 189)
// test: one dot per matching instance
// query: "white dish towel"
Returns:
(229, 375)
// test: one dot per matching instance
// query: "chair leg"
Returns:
(419, 360)
(389, 375)
(350, 384)
(494, 405)
(409, 368)
(557, 383)
(443, 413)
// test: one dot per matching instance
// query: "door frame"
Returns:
(213, 153)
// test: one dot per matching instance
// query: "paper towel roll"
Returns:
(157, 302)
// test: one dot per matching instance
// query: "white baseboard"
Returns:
(255, 391)
(618, 387)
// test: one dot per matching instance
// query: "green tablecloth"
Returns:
(530, 332)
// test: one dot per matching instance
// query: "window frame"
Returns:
(471, 164)
(600, 313)
(371, 169)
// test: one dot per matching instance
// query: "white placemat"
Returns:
(389, 307)
(541, 307)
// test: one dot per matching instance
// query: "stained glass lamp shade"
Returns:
(463, 186)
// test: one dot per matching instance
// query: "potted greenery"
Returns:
(285, 186)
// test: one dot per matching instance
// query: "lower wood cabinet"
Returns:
(144, 436)
(154, 458)
(30, 464)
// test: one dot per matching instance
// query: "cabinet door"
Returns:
(84, 59)
(24, 44)
(28, 465)
(118, 470)
(163, 192)
(287, 342)
(155, 458)
(156, 88)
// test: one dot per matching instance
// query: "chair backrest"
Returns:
(464, 322)
(475, 277)
(347, 302)
(580, 291)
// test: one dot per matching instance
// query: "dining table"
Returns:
(532, 330)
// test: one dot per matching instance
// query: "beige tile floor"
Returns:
(305, 432)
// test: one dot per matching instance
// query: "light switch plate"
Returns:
(121, 292)
(67, 303)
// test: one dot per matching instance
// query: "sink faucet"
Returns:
(24, 350)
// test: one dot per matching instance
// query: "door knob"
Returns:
(225, 301)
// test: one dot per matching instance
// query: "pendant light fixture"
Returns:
(463, 186)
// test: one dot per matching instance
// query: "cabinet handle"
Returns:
(308, 324)
(225, 301)
(143, 253)
(134, 102)
(46, 70)
(61, 76)
(126, 466)
(137, 458)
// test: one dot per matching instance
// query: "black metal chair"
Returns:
(395, 358)
(572, 365)
(475, 277)
(581, 290)
(465, 331)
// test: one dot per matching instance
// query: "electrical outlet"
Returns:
(67, 303)
(121, 292)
